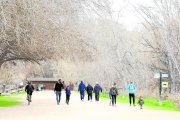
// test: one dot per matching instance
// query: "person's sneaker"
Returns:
(134, 105)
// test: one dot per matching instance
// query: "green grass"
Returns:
(12, 100)
(18, 94)
(154, 103)
(151, 103)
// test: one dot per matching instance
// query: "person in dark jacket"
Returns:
(140, 102)
(81, 89)
(97, 90)
(57, 89)
(114, 93)
(29, 89)
(89, 90)
(68, 93)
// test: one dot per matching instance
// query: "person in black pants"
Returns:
(131, 89)
(97, 90)
(57, 89)
(114, 93)
(131, 97)
(89, 90)
(68, 93)
(29, 89)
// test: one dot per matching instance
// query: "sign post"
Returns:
(163, 85)
(159, 75)
(160, 84)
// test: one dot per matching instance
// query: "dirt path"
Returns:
(44, 107)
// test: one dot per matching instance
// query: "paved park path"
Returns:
(44, 107)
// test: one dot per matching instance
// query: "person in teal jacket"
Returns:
(131, 89)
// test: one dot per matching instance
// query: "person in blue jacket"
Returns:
(97, 90)
(81, 89)
(131, 89)
(68, 93)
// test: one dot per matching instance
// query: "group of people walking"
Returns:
(82, 88)
(113, 92)
(58, 88)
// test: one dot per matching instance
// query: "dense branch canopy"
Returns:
(32, 30)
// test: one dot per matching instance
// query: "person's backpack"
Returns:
(113, 91)
(30, 88)
(89, 89)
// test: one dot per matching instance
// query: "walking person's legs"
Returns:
(112, 100)
(98, 97)
(57, 97)
(140, 106)
(130, 99)
(30, 96)
(90, 96)
(115, 99)
(95, 96)
(133, 96)
(27, 97)
(67, 98)
(82, 96)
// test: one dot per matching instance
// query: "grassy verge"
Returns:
(12, 100)
(151, 103)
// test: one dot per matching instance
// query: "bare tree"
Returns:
(35, 30)
(162, 25)
(25, 31)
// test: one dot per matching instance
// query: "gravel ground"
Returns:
(44, 107)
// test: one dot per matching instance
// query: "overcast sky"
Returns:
(127, 14)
